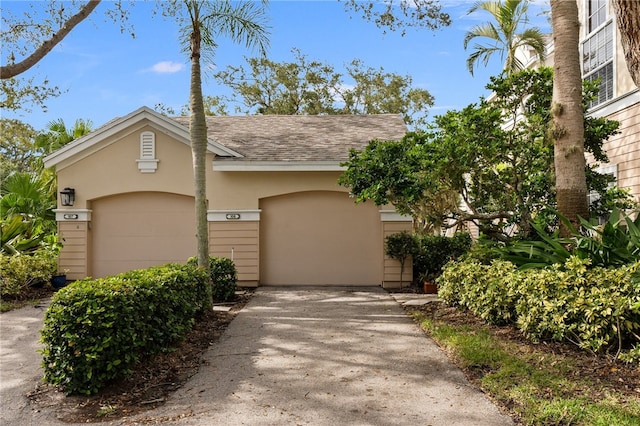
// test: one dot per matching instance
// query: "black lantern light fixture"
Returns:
(68, 196)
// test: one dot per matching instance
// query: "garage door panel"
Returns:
(133, 231)
(319, 238)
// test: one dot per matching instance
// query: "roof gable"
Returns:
(139, 118)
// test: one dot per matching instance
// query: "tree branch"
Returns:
(12, 70)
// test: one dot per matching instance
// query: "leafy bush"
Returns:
(224, 276)
(19, 271)
(480, 288)
(596, 308)
(435, 251)
(96, 330)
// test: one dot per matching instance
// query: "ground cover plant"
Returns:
(544, 383)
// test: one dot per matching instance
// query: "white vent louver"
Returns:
(147, 163)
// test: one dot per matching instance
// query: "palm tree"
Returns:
(58, 135)
(204, 22)
(502, 35)
(567, 129)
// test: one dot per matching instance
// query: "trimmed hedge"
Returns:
(96, 330)
(597, 308)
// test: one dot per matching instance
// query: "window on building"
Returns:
(597, 14)
(597, 50)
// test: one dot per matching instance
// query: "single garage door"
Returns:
(319, 238)
(142, 229)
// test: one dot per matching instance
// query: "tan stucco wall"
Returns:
(243, 190)
(114, 167)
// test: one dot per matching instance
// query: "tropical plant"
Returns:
(471, 167)
(613, 244)
(502, 35)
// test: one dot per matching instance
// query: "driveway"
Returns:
(295, 356)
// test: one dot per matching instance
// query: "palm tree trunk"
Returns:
(567, 129)
(628, 18)
(198, 131)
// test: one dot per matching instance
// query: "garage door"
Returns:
(138, 230)
(319, 238)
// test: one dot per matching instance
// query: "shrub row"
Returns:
(96, 330)
(19, 271)
(596, 308)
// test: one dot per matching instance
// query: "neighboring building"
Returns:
(619, 98)
(275, 207)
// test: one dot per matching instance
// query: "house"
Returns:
(274, 205)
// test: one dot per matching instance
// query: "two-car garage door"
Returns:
(306, 238)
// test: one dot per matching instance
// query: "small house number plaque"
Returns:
(233, 216)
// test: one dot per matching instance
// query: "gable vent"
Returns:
(147, 163)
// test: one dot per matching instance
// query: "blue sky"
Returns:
(107, 74)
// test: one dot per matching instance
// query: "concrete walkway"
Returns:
(316, 356)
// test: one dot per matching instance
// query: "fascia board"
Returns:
(277, 166)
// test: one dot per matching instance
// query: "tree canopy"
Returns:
(306, 86)
(490, 164)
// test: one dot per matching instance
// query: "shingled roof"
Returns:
(299, 138)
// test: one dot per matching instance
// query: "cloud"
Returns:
(166, 67)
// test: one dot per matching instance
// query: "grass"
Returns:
(535, 386)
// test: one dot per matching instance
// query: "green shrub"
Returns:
(480, 288)
(224, 277)
(434, 251)
(596, 308)
(96, 330)
(19, 271)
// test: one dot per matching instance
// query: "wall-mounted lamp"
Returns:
(68, 196)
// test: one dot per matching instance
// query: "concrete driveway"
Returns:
(308, 356)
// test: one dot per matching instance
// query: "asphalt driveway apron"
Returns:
(326, 356)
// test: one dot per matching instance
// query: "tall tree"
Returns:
(505, 35)
(311, 87)
(628, 19)
(27, 38)
(567, 130)
(202, 22)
